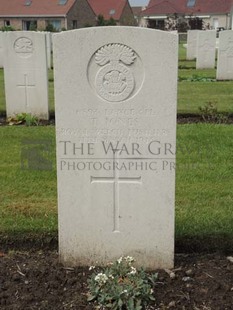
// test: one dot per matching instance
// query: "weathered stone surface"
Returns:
(225, 56)
(192, 44)
(25, 73)
(206, 45)
(115, 93)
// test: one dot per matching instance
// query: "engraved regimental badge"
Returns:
(115, 81)
(23, 47)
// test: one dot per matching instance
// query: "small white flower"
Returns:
(91, 267)
(124, 292)
(119, 260)
(133, 270)
(151, 291)
(129, 259)
(111, 276)
(101, 278)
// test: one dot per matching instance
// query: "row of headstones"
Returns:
(25, 57)
(202, 45)
(115, 99)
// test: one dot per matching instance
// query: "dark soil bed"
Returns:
(36, 280)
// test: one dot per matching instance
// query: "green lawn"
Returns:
(28, 198)
(193, 95)
(204, 196)
(195, 88)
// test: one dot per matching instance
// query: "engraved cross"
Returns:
(26, 86)
(116, 180)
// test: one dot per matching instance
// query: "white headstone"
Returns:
(25, 73)
(2, 44)
(49, 48)
(192, 44)
(52, 34)
(206, 47)
(115, 88)
(225, 56)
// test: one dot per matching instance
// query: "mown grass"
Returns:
(204, 196)
(193, 95)
(28, 197)
(204, 183)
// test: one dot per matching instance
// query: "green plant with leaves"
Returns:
(7, 28)
(210, 113)
(101, 21)
(196, 78)
(121, 286)
(50, 28)
(23, 118)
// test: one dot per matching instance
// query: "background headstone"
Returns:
(48, 48)
(25, 74)
(192, 44)
(115, 100)
(225, 56)
(206, 48)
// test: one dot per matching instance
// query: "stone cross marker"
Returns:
(25, 74)
(192, 44)
(116, 180)
(225, 56)
(115, 101)
(206, 44)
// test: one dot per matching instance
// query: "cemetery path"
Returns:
(36, 280)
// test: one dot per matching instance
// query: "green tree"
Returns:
(103, 22)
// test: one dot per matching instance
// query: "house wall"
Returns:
(127, 17)
(17, 23)
(82, 13)
(223, 21)
(218, 21)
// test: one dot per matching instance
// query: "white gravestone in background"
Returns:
(225, 56)
(116, 132)
(25, 74)
(2, 45)
(206, 45)
(192, 44)
(48, 48)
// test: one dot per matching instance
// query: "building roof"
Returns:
(35, 7)
(165, 7)
(108, 8)
(137, 10)
(162, 7)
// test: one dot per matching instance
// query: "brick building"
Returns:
(119, 10)
(214, 14)
(38, 14)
